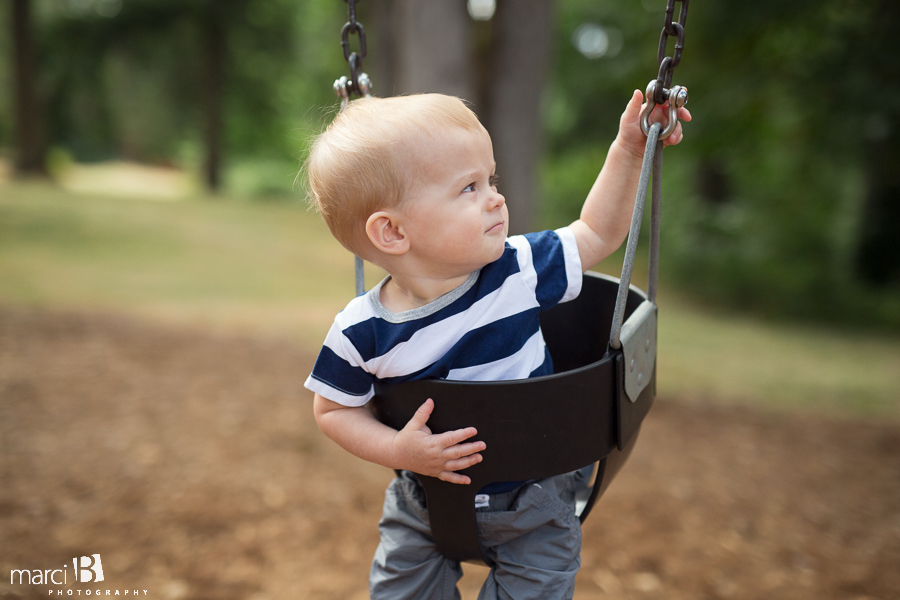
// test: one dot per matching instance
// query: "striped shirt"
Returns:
(487, 329)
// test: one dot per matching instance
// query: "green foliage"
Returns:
(766, 201)
(129, 82)
(6, 82)
(778, 201)
(565, 181)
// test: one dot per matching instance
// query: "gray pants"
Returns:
(531, 535)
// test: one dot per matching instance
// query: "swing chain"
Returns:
(359, 82)
(660, 90)
(667, 64)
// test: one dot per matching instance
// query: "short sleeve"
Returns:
(551, 260)
(338, 374)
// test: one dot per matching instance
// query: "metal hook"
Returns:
(676, 97)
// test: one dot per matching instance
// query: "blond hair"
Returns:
(365, 160)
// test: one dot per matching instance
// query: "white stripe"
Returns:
(431, 343)
(336, 395)
(357, 310)
(574, 269)
(518, 366)
(341, 345)
(526, 261)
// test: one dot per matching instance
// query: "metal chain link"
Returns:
(667, 64)
(358, 83)
(660, 90)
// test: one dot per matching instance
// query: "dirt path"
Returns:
(192, 465)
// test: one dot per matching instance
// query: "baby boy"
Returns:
(409, 184)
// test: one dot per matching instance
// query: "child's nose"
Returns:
(496, 201)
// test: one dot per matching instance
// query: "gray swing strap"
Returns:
(652, 160)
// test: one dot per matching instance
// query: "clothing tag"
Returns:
(482, 501)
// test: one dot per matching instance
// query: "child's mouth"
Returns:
(496, 227)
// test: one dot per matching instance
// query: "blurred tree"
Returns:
(30, 152)
(781, 199)
(192, 81)
(212, 24)
(427, 47)
(431, 47)
(876, 109)
(519, 63)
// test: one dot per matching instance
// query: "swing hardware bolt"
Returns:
(365, 85)
(358, 83)
(681, 97)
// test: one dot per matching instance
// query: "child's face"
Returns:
(456, 220)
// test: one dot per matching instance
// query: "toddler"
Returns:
(409, 184)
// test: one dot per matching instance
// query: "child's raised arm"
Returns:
(413, 448)
(606, 214)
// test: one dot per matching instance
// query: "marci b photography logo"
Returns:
(91, 569)
(87, 569)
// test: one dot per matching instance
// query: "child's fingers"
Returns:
(452, 477)
(637, 97)
(423, 413)
(675, 137)
(633, 108)
(452, 438)
(462, 463)
(461, 450)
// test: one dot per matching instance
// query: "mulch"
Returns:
(191, 463)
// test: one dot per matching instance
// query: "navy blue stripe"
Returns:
(331, 369)
(498, 339)
(375, 337)
(495, 341)
(550, 264)
(546, 367)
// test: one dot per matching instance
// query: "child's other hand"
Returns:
(416, 449)
(630, 135)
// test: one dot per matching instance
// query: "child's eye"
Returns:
(492, 182)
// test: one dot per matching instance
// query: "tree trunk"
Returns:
(30, 159)
(878, 250)
(214, 41)
(435, 47)
(520, 58)
(431, 48)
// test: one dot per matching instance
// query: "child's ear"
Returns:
(386, 233)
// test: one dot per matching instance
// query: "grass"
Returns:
(734, 358)
(220, 263)
(272, 268)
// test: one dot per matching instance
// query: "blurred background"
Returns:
(164, 288)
